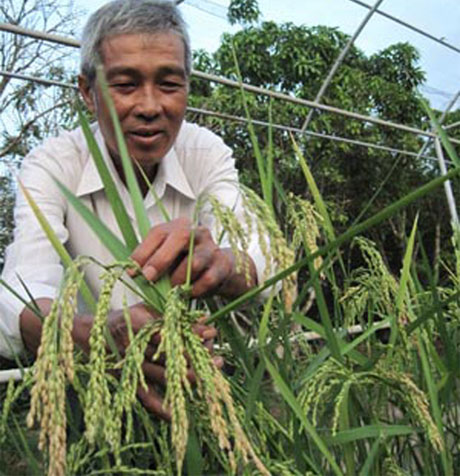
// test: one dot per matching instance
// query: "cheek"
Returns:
(177, 107)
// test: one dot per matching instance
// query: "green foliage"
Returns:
(294, 60)
(374, 402)
(243, 11)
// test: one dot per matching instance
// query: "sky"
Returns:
(441, 18)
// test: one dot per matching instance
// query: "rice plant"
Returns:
(301, 392)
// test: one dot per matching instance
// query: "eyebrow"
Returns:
(162, 71)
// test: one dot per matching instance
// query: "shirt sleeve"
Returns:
(31, 261)
(220, 180)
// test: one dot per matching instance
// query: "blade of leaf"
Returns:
(118, 208)
(369, 431)
(58, 246)
(117, 248)
(158, 202)
(294, 404)
(441, 132)
(402, 289)
(107, 237)
(128, 169)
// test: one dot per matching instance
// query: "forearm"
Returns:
(31, 327)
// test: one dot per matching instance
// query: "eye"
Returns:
(123, 86)
(171, 85)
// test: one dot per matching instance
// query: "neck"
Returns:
(144, 176)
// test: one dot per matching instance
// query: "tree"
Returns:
(295, 60)
(29, 111)
(243, 11)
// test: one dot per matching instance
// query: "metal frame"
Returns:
(339, 61)
(230, 117)
(17, 374)
(250, 88)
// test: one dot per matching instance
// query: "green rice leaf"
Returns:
(369, 431)
(367, 466)
(128, 169)
(100, 229)
(158, 201)
(441, 132)
(64, 256)
(265, 182)
(294, 404)
(403, 283)
(153, 293)
(118, 208)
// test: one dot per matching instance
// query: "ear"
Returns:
(86, 92)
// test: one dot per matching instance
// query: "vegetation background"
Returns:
(359, 402)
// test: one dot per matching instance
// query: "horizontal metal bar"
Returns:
(240, 119)
(307, 103)
(266, 92)
(309, 133)
(12, 374)
(18, 30)
(451, 126)
(411, 27)
(45, 82)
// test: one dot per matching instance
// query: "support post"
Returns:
(339, 61)
(447, 185)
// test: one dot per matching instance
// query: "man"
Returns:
(144, 51)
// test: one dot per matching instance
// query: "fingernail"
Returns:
(132, 272)
(218, 361)
(149, 272)
(209, 334)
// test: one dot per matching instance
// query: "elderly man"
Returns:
(145, 53)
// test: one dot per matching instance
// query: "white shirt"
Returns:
(198, 162)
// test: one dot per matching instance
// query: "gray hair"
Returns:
(120, 17)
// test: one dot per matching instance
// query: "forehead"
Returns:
(143, 50)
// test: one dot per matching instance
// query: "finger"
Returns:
(218, 361)
(201, 260)
(150, 351)
(204, 332)
(154, 373)
(210, 280)
(149, 245)
(209, 345)
(153, 402)
(166, 254)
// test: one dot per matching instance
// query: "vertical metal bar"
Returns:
(447, 184)
(339, 61)
(441, 120)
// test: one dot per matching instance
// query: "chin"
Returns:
(146, 161)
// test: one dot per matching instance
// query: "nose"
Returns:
(148, 105)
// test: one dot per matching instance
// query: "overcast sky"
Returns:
(441, 18)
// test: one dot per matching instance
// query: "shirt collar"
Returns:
(170, 172)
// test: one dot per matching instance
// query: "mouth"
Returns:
(145, 137)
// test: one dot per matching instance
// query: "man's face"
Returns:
(148, 85)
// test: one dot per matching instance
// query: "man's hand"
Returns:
(213, 269)
(140, 315)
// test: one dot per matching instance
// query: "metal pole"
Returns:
(222, 115)
(411, 27)
(339, 61)
(441, 120)
(258, 90)
(451, 126)
(297, 130)
(447, 185)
